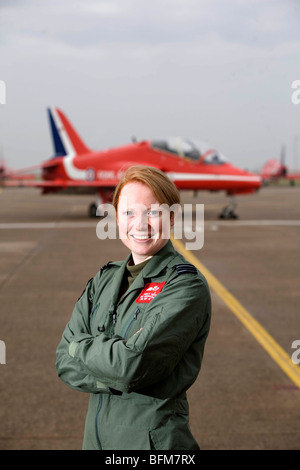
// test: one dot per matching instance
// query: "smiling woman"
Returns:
(141, 200)
(136, 337)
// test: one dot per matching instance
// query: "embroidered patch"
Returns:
(150, 291)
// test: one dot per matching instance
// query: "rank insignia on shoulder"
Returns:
(186, 268)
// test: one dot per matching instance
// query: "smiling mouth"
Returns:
(141, 237)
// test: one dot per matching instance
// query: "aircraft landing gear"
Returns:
(228, 211)
(92, 210)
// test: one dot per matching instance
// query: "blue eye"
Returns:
(153, 213)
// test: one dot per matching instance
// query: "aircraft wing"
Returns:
(58, 184)
(47, 164)
(295, 176)
(16, 179)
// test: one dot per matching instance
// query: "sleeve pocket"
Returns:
(139, 340)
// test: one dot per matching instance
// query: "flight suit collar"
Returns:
(152, 269)
(116, 283)
(158, 261)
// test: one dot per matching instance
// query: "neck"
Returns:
(139, 259)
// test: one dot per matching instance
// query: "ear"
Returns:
(172, 219)
(174, 213)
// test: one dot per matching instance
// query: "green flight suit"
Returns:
(137, 357)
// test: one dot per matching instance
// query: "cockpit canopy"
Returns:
(191, 149)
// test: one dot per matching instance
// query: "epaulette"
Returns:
(186, 268)
(105, 266)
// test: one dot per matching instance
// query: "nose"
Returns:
(141, 221)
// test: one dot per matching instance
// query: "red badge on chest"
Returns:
(150, 291)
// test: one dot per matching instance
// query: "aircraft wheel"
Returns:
(92, 210)
(228, 214)
(225, 214)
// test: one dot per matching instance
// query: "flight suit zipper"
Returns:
(132, 319)
(92, 314)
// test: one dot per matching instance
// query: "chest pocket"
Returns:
(99, 318)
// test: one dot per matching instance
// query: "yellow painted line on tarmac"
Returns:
(277, 353)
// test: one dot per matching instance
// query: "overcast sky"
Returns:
(215, 70)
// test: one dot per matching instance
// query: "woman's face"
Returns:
(141, 219)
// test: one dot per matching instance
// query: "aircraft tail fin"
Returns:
(66, 140)
(282, 155)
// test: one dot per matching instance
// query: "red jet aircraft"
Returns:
(8, 174)
(274, 170)
(188, 163)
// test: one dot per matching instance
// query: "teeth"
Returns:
(141, 237)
